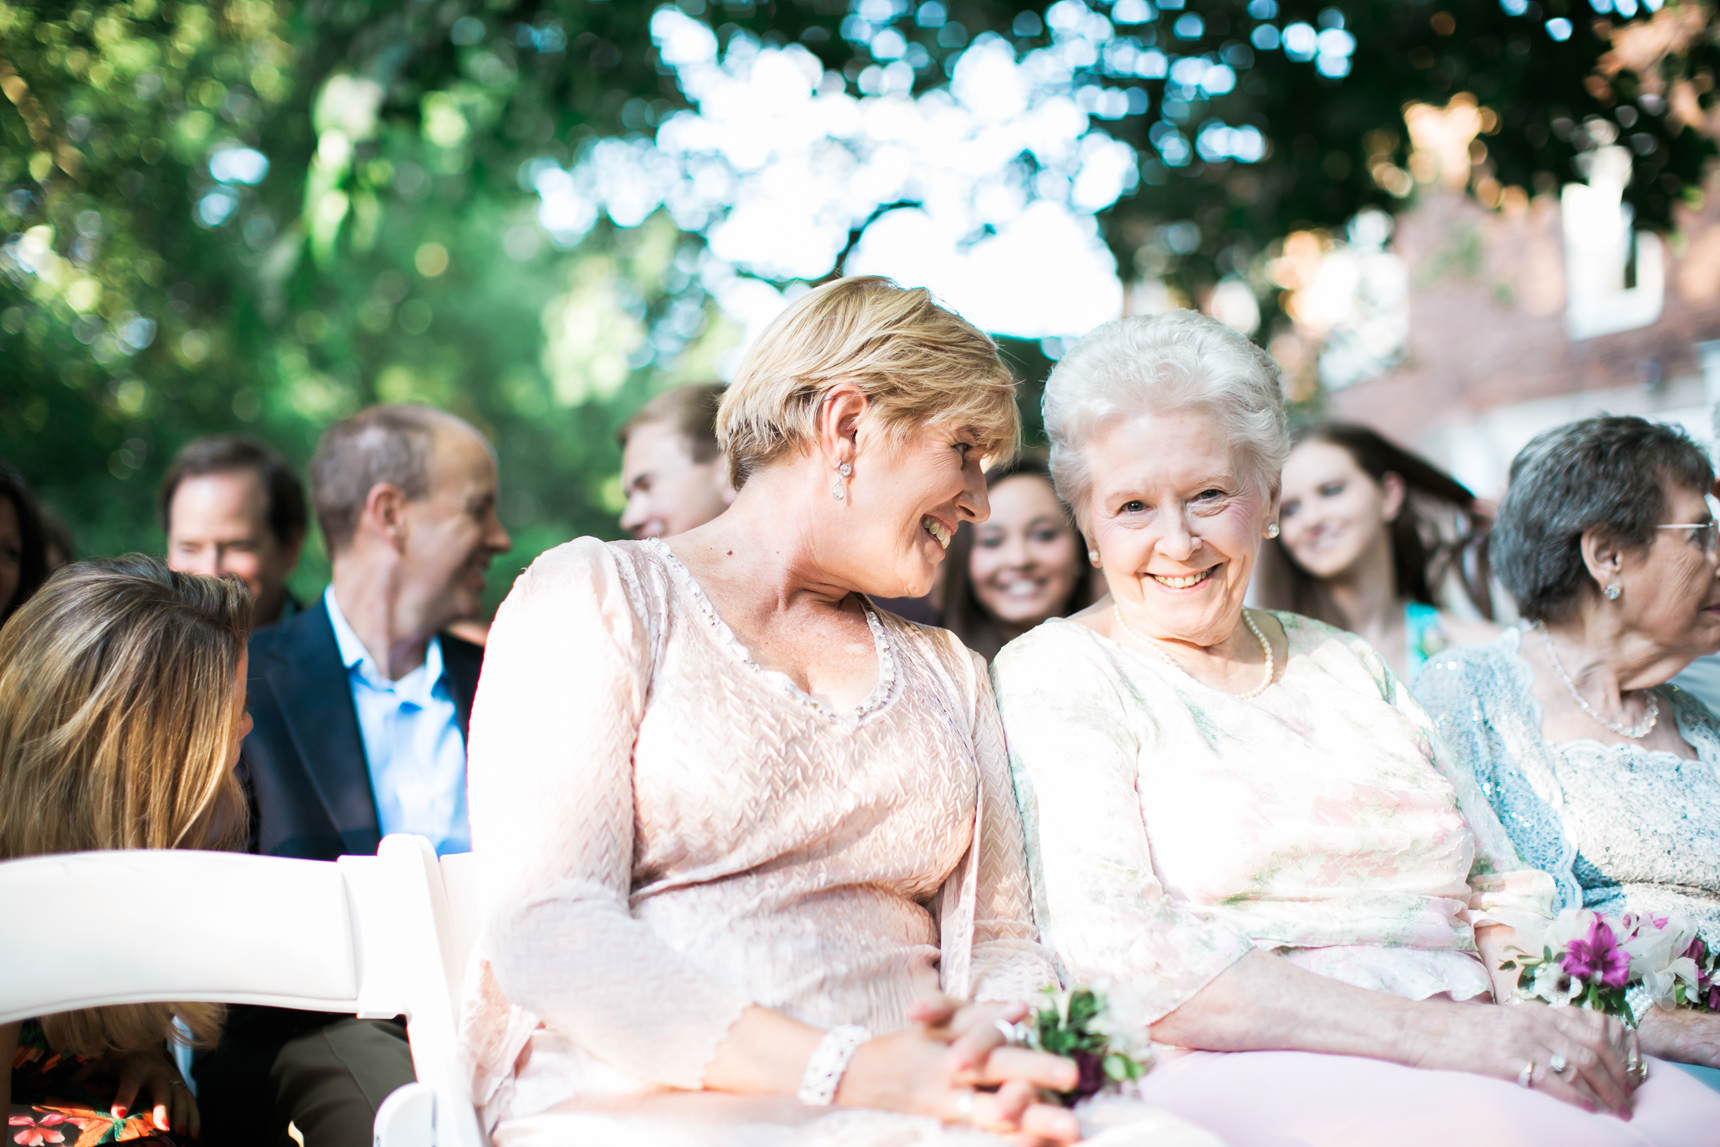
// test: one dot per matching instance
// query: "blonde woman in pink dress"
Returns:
(1243, 822)
(748, 845)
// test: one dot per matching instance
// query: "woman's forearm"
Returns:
(765, 1053)
(1264, 1003)
(1498, 943)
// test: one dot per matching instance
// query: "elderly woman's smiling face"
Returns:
(1177, 515)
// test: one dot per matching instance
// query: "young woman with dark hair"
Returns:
(1371, 534)
(1023, 565)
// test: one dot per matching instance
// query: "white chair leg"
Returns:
(407, 1118)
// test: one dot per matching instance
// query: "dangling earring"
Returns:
(839, 489)
(1613, 592)
(1273, 531)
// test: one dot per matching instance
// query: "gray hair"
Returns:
(1608, 474)
(383, 444)
(1172, 361)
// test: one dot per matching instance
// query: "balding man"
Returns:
(360, 706)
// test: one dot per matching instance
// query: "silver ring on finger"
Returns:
(964, 1106)
(1015, 1035)
(1559, 1065)
(1526, 1077)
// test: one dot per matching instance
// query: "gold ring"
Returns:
(1526, 1077)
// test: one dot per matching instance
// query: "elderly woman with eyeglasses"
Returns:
(1605, 775)
(1244, 826)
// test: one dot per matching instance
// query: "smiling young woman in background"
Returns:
(1022, 566)
(1363, 549)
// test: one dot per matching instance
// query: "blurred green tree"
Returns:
(245, 214)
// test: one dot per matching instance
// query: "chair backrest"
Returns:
(364, 935)
(460, 936)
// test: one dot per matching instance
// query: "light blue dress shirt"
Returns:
(412, 742)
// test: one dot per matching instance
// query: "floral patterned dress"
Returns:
(1173, 828)
(58, 1101)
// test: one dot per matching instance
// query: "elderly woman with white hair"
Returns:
(736, 829)
(1244, 825)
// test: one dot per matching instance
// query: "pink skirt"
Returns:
(1305, 1099)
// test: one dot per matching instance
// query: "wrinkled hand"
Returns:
(1682, 1036)
(932, 1067)
(153, 1075)
(1501, 1041)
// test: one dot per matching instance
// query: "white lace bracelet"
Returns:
(828, 1063)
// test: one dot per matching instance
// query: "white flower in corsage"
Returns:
(1673, 963)
(1101, 1030)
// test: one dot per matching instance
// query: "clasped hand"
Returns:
(953, 1063)
(1595, 1050)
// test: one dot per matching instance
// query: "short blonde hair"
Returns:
(118, 698)
(1172, 361)
(915, 362)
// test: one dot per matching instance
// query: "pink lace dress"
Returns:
(667, 833)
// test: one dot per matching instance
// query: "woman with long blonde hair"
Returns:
(122, 709)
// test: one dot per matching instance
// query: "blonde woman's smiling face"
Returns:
(1177, 516)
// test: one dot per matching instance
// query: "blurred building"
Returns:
(1542, 310)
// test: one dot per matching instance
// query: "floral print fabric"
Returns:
(59, 1101)
(1172, 828)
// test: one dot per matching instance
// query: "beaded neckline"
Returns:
(882, 693)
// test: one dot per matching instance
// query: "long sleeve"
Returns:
(565, 681)
(1009, 963)
(1505, 889)
(1100, 904)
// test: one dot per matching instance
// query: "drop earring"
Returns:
(838, 488)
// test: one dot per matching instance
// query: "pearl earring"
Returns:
(1613, 592)
(1273, 531)
(1093, 556)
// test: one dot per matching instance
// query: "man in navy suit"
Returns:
(360, 706)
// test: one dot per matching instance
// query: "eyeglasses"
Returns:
(1707, 535)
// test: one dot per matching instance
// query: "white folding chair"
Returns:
(369, 935)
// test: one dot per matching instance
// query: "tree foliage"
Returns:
(243, 214)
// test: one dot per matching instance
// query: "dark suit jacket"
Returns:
(303, 764)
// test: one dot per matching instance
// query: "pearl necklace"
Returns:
(1637, 733)
(1150, 644)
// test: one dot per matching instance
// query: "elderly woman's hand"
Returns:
(1682, 1036)
(938, 1066)
(1503, 1041)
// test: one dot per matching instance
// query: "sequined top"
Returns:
(1172, 828)
(667, 833)
(1619, 827)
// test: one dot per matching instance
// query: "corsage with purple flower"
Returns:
(1619, 966)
